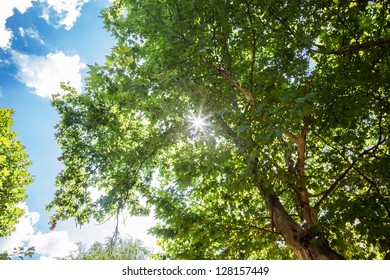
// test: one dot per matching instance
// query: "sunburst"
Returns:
(198, 122)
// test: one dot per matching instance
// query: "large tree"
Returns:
(256, 129)
(14, 174)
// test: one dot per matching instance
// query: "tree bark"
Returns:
(306, 244)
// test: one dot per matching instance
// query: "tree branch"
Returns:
(342, 22)
(263, 229)
(329, 191)
(282, 21)
(355, 47)
(297, 140)
(254, 38)
(333, 187)
(229, 77)
(374, 184)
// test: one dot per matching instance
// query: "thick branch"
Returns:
(297, 140)
(309, 213)
(229, 77)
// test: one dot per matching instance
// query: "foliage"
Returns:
(122, 249)
(14, 174)
(256, 129)
(19, 253)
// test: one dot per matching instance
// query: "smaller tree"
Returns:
(14, 174)
(19, 253)
(122, 249)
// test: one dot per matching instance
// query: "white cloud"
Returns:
(31, 33)
(21, 31)
(137, 227)
(95, 193)
(44, 73)
(24, 230)
(6, 11)
(66, 12)
(61, 242)
(53, 244)
(134, 227)
(49, 245)
(56, 12)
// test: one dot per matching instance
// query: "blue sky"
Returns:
(44, 42)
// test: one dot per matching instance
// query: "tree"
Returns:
(14, 175)
(122, 249)
(17, 253)
(265, 124)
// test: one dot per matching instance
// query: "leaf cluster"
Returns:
(14, 174)
(19, 253)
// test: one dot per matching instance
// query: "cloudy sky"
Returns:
(42, 43)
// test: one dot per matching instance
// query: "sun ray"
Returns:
(198, 122)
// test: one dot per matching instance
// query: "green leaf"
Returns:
(14, 175)
(243, 128)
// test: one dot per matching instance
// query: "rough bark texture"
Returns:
(305, 239)
(306, 243)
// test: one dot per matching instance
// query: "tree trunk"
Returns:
(307, 244)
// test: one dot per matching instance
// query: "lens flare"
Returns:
(198, 122)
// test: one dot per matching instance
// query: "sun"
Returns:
(198, 122)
